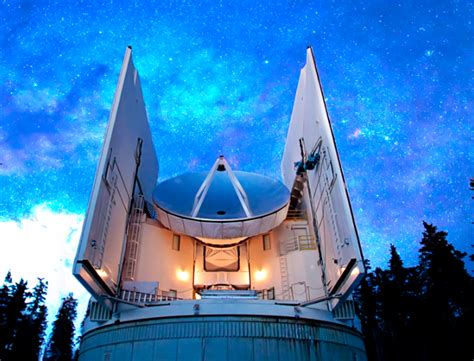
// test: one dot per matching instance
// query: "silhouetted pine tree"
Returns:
(423, 312)
(399, 291)
(5, 293)
(22, 323)
(39, 313)
(447, 299)
(366, 299)
(15, 308)
(29, 336)
(61, 343)
(392, 284)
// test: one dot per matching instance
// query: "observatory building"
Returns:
(224, 264)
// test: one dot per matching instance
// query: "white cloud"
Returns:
(44, 245)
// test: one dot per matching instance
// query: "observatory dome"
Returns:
(221, 203)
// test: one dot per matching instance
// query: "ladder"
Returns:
(133, 238)
(98, 255)
(285, 282)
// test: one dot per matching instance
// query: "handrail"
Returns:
(138, 297)
(296, 214)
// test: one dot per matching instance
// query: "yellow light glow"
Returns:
(102, 273)
(260, 275)
(341, 270)
(182, 275)
(355, 271)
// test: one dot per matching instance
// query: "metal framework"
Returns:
(221, 165)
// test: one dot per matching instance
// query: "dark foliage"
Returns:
(423, 312)
(61, 343)
(22, 320)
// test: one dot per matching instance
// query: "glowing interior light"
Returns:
(102, 273)
(341, 270)
(182, 275)
(260, 275)
(355, 271)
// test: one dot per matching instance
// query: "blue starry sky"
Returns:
(220, 77)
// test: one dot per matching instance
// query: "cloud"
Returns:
(36, 100)
(44, 245)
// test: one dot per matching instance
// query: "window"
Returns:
(176, 242)
(266, 242)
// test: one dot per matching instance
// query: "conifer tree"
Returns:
(447, 298)
(5, 293)
(32, 325)
(366, 299)
(61, 343)
(14, 309)
(423, 312)
(22, 320)
(39, 313)
(399, 291)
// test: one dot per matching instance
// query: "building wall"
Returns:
(264, 265)
(173, 269)
(223, 338)
(158, 262)
(303, 271)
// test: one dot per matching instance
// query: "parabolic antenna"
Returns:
(221, 203)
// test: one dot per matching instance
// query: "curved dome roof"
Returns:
(221, 203)
(220, 197)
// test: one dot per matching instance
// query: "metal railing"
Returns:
(306, 243)
(144, 298)
(266, 294)
(296, 214)
(299, 243)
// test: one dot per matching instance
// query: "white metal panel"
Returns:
(251, 227)
(192, 227)
(232, 229)
(292, 151)
(163, 217)
(127, 141)
(268, 223)
(176, 223)
(221, 229)
(280, 216)
(331, 209)
(212, 230)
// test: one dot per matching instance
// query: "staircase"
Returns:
(285, 282)
(145, 298)
(133, 238)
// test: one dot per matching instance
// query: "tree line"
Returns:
(23, 323)
(423, 312)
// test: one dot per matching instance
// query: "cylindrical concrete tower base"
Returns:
(223, 338)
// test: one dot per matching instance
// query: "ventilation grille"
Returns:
(99, 313)
(345, 311)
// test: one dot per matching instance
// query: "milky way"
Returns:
(220, 78)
